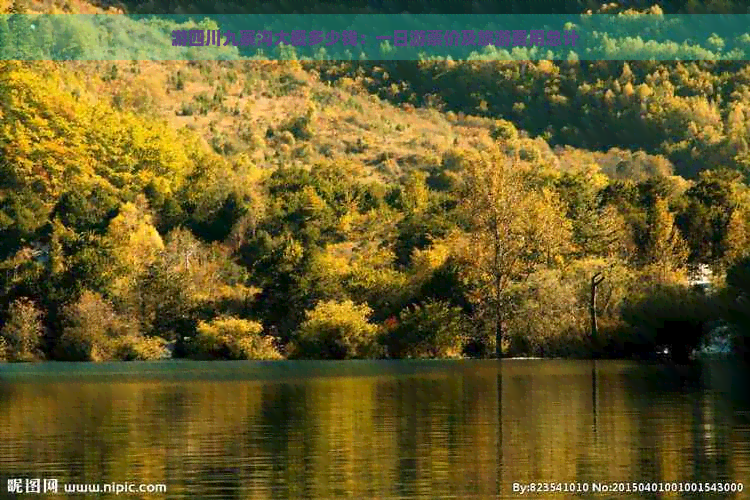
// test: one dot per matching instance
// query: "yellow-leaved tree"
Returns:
(511, 230)
(135, 244)
(666, 249)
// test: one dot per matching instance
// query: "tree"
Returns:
(188, 281)
(84, 211)
(60, 237)
(666, 250)
(735, 302)
(164, 304)
(277, 264)
(511, 230)
(549, 319)
(373, 280)
(135, 245)
(734, 244)
(22, 332)
(714, 219)
(598, 228)
(602, 231)
(417, 232)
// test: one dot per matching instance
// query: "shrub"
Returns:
(22, 333)
(505, 131)
(434, 329)
(222, 144)
(232, 338)
(93, 330)
(137, 348)
(669, 316)
(337, 330)
(179, 81)
(286, 137)
(301, 126)
(187, 109)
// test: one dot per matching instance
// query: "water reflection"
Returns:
(374, 429)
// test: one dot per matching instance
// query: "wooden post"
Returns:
(596, 280)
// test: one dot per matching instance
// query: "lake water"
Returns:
(373, 430)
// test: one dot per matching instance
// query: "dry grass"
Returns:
(255, 97)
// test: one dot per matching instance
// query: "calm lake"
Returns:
(372, 429)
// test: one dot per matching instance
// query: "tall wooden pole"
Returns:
(596, 280)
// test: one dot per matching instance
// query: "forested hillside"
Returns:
(249, 209)
(420, 7)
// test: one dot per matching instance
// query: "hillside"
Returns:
(253, 209)
(418, 7)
